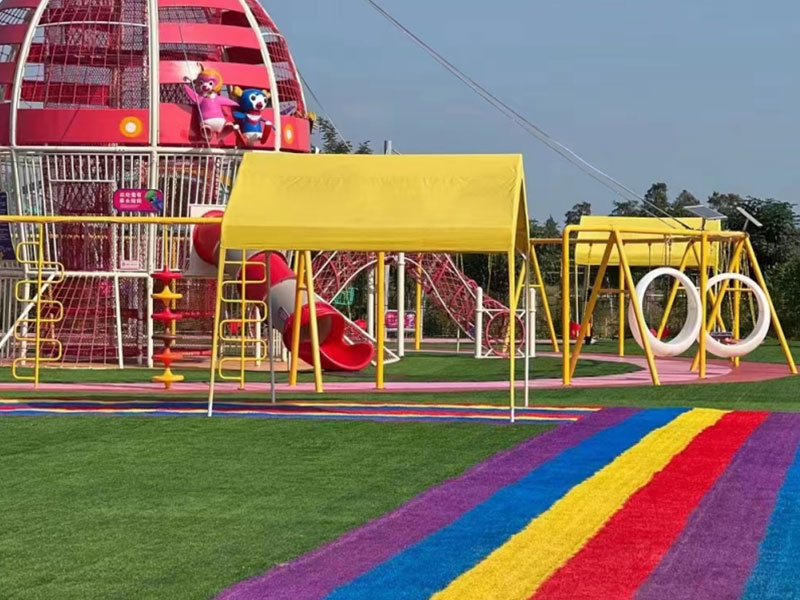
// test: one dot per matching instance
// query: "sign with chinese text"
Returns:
(408, 324)
(141, 201)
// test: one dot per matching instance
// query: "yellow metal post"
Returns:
(704, 303)
(380, 316)
(565, 308)
(716, 307)
(737, 301)
(512, 322)
(673, 293)
(39, 280)
(776, 322)
(589, 309)
(312, 319)
(737, 253)
(520, 283)
(242, 321)
(298, 305)
(637, 309)
(216, 330)
(418, 316)
(621, 334)
(537, 273)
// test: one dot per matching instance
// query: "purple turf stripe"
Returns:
(717, 549)
(315, 574)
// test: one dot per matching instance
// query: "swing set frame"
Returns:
(698, 246)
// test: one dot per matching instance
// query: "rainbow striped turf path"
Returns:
(647, 504)
(294, 410)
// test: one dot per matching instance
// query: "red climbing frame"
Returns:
(441, 280)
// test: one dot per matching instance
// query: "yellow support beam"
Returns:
(539, 283)
(380, 316)
(621, 333)
(418, 316)
(312, 318)
(637, 309)
(217, 327)
(590, 305)
(298, 305)
(703, 303)
(776, 322)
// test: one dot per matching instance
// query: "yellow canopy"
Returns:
(425, 203)
(656, 254)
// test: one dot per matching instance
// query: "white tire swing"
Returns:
(691, 328)
(760, 330)
(693, 324)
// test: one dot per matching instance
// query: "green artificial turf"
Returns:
(173, 508)
(414, 367)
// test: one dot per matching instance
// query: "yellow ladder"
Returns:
(40, 275)
(235, 331)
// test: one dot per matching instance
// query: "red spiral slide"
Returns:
(336, 353)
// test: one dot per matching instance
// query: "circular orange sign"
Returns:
(288, 134)
(131, 127)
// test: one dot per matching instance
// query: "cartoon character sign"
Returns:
(253, 127)
(204, 92)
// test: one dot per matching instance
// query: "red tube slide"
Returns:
(336, 353)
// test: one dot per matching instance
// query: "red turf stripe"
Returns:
(617, 560)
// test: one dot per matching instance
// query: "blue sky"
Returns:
(701, 94)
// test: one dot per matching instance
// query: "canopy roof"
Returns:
(394, 203)
(655, 254)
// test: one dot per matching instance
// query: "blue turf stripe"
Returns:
(428, 566)
(777, 571)
(23, 412)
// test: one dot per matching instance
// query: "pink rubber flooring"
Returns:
(672, 371)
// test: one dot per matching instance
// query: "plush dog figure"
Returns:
(204, 92)
(253, 127)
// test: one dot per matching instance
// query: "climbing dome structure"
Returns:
(93, 99)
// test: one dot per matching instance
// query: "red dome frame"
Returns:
(81, 72)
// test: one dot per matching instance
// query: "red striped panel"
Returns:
(13, 34)
(5, 114)
(256, 76)
(7, 71)
(615, 562)
(64, 126)
(204, 33)
(233, 5)
(89, 56)
(70, 93)
(19, 4)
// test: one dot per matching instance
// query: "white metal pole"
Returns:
(401, 304)
(478, 322)
(527, 321)
(273, 82)
(259, 335)
(532, 317)
(118, 311)
(154, 134)
(371, 303)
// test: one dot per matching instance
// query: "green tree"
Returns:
(332, 142)
(574, 214)
(656, 196)
(778, 240)
(627, 208)
(678, 207)
(783, 281)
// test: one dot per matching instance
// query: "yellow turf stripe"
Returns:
(516, 569)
